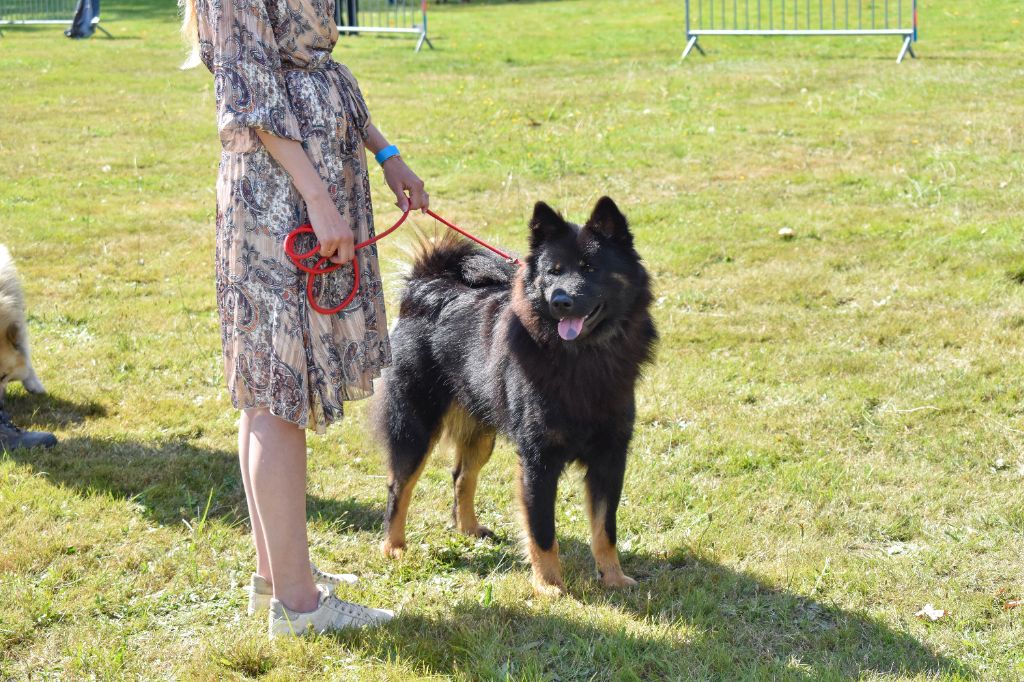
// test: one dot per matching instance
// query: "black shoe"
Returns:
(12, 437)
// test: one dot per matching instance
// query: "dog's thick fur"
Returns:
(479, 350)
(15, 364)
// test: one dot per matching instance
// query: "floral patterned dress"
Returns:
(272, 67)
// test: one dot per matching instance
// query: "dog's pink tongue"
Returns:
(570, 327)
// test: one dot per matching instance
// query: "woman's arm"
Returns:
(399, 176)
(331, 229)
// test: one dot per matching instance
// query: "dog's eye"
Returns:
(555, 269)
(586, 267)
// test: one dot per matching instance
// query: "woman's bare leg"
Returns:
(277, 471)
(262, 558)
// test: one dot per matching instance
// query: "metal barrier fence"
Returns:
(28, 12)
(383, 16)
(801, 18)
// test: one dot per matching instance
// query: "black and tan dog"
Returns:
(547, 354)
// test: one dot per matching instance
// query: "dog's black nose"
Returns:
(561, 302)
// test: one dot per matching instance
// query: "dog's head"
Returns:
(582, 283)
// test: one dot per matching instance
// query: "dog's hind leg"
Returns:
(474, 444)
(412, 428)
(604, 488)
(538, 486)
(407, 462)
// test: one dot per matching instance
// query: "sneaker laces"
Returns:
(6, 422)
(322, 576)
(354, 611)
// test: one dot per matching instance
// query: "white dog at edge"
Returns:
(15, 364)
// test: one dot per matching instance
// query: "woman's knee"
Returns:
(261, 420)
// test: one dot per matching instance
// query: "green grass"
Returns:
(832, 435)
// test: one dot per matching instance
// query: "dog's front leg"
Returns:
(31, 382)
(604, 488)
(538, 485)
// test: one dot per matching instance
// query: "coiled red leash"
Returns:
(324, 266)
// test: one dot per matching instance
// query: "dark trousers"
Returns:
(81, 25)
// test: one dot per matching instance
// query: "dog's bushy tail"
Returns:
(450, 257)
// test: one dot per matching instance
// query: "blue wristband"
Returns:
(386, 153)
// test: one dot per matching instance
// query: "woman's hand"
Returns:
(401, 179)
(332, 230)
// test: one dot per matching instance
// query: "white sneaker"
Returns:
(260, 591)
(331, 614)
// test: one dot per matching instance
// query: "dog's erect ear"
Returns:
(545, 224)
(607, 220)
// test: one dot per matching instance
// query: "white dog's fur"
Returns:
(15, 364)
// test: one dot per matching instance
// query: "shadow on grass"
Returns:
(712, 623)
(48, 412)
(173, 480)
(715, 623)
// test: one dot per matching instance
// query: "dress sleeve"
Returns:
(237, 44)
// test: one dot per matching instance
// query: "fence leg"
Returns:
(424, 39)
(690, 44)
(906, 49)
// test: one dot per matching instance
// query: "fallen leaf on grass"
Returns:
(929, 612)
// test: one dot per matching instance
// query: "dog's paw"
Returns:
(392, 550)
(617, 579)
(549, 590)
(34, 386)
(32, 383)
(481, 532)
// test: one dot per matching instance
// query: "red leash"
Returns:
(324, 266)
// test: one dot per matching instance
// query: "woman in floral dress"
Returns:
(294, 129)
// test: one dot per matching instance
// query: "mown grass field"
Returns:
(832, 436)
